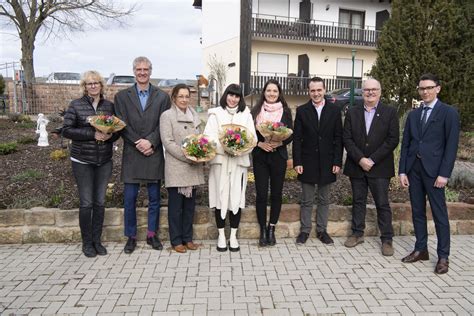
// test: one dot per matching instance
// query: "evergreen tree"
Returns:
(427, 36)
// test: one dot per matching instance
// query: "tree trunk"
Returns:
(27, 49)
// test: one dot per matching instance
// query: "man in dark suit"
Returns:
(429, 147)
(371, 133)
(140, 107)
(317, 157)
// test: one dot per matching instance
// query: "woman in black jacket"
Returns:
(269, 159)
(91, 156)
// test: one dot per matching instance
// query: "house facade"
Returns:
(292, 41)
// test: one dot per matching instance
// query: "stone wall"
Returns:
(54, 225)
(51, 98)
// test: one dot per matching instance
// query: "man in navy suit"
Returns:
(429, 146)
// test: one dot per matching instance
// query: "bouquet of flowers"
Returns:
(274, 131)
(106, 123)
(236, 140)
(198, 148)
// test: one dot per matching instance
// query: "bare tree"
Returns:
(55, 17)
(218, 72)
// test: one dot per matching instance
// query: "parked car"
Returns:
(170, 83)
(64, 77)
(342, 97)
(122, 80)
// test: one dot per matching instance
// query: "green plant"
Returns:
(451, 195)
(58, 154)
(347, 200)
(285, 199)
(26, 124)
(24, 140)
(19, 118)
(30, 174)
(57, 197)
(8, 148)
(2, 85)
(291, 174)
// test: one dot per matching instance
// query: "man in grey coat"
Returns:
(140, 107)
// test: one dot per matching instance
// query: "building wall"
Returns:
(317, 54)
(221, 35)
(322, 10)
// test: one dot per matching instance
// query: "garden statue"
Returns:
(41, 130)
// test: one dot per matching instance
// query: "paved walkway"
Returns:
(286, 279)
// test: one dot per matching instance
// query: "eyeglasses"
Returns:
(91, 84)
(183, 97)
(371, 90)
(423, 89)
(142, 69)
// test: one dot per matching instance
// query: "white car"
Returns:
(64, 77)
(122, 80)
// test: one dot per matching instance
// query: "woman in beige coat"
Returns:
(181, 175)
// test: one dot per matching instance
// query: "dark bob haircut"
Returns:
(233, 89)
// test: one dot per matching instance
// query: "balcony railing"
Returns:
(316, 31)
(292, 85)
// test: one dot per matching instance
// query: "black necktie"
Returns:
(423, 117)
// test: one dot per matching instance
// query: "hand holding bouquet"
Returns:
(236, 140)
(198, 148)
(106, 124)
(274, 132)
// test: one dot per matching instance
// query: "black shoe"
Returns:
(302, 237)
(154, 242)
(271, 240)
(89, 250)
(262, 241)
(100, 249)
(130, 245)
(325, 238)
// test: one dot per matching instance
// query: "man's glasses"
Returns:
(91, 84)
(423, 89)
(370, 90)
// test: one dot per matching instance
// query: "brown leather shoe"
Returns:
(191, 246)
(179, 248)
(353, 241)
(387, 248)
(416, 256)
(442, 266)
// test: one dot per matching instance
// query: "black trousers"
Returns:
(180, 216)
(234, 219)
(268, 167)
(379, 189)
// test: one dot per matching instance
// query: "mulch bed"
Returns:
(30, 177)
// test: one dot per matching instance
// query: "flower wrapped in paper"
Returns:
(236, 140)
(198, 148)
(106, 124)
(275, 132)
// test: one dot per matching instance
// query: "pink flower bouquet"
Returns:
(106, 123)
(236, 140)
(198, 148)
(274, 131)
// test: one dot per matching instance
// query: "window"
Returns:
(351, 19)
(344, 68)
(272, 64)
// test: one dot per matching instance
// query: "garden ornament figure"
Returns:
(41, 130)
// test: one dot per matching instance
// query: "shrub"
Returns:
(291, 174)
(250, 177)
(30, 174)
(8, 148)
(19, 118)
(58, 154)
(347, 200)
(27, 140)
(451, 195)
(57, 197)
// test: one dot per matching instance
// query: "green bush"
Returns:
(30, 174)
(347, 200)
(26, 140)
(451, 195)
(291, 174)
(19, 118)
(8, 148)
(58, 154)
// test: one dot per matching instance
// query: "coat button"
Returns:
(185, 127)
(366, 144)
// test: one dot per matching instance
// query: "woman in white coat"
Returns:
(228, 174)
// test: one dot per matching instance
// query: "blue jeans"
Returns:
(92, 185)
(180, 216)
(130, 209)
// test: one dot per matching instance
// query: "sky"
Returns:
(166, 31)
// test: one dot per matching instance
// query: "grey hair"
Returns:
(141, 59)
(365, 81)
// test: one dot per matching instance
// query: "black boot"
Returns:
(271, 241)
(262, 241)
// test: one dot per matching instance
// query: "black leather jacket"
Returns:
(76, 127)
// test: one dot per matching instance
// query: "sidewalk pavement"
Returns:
(285, 279)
